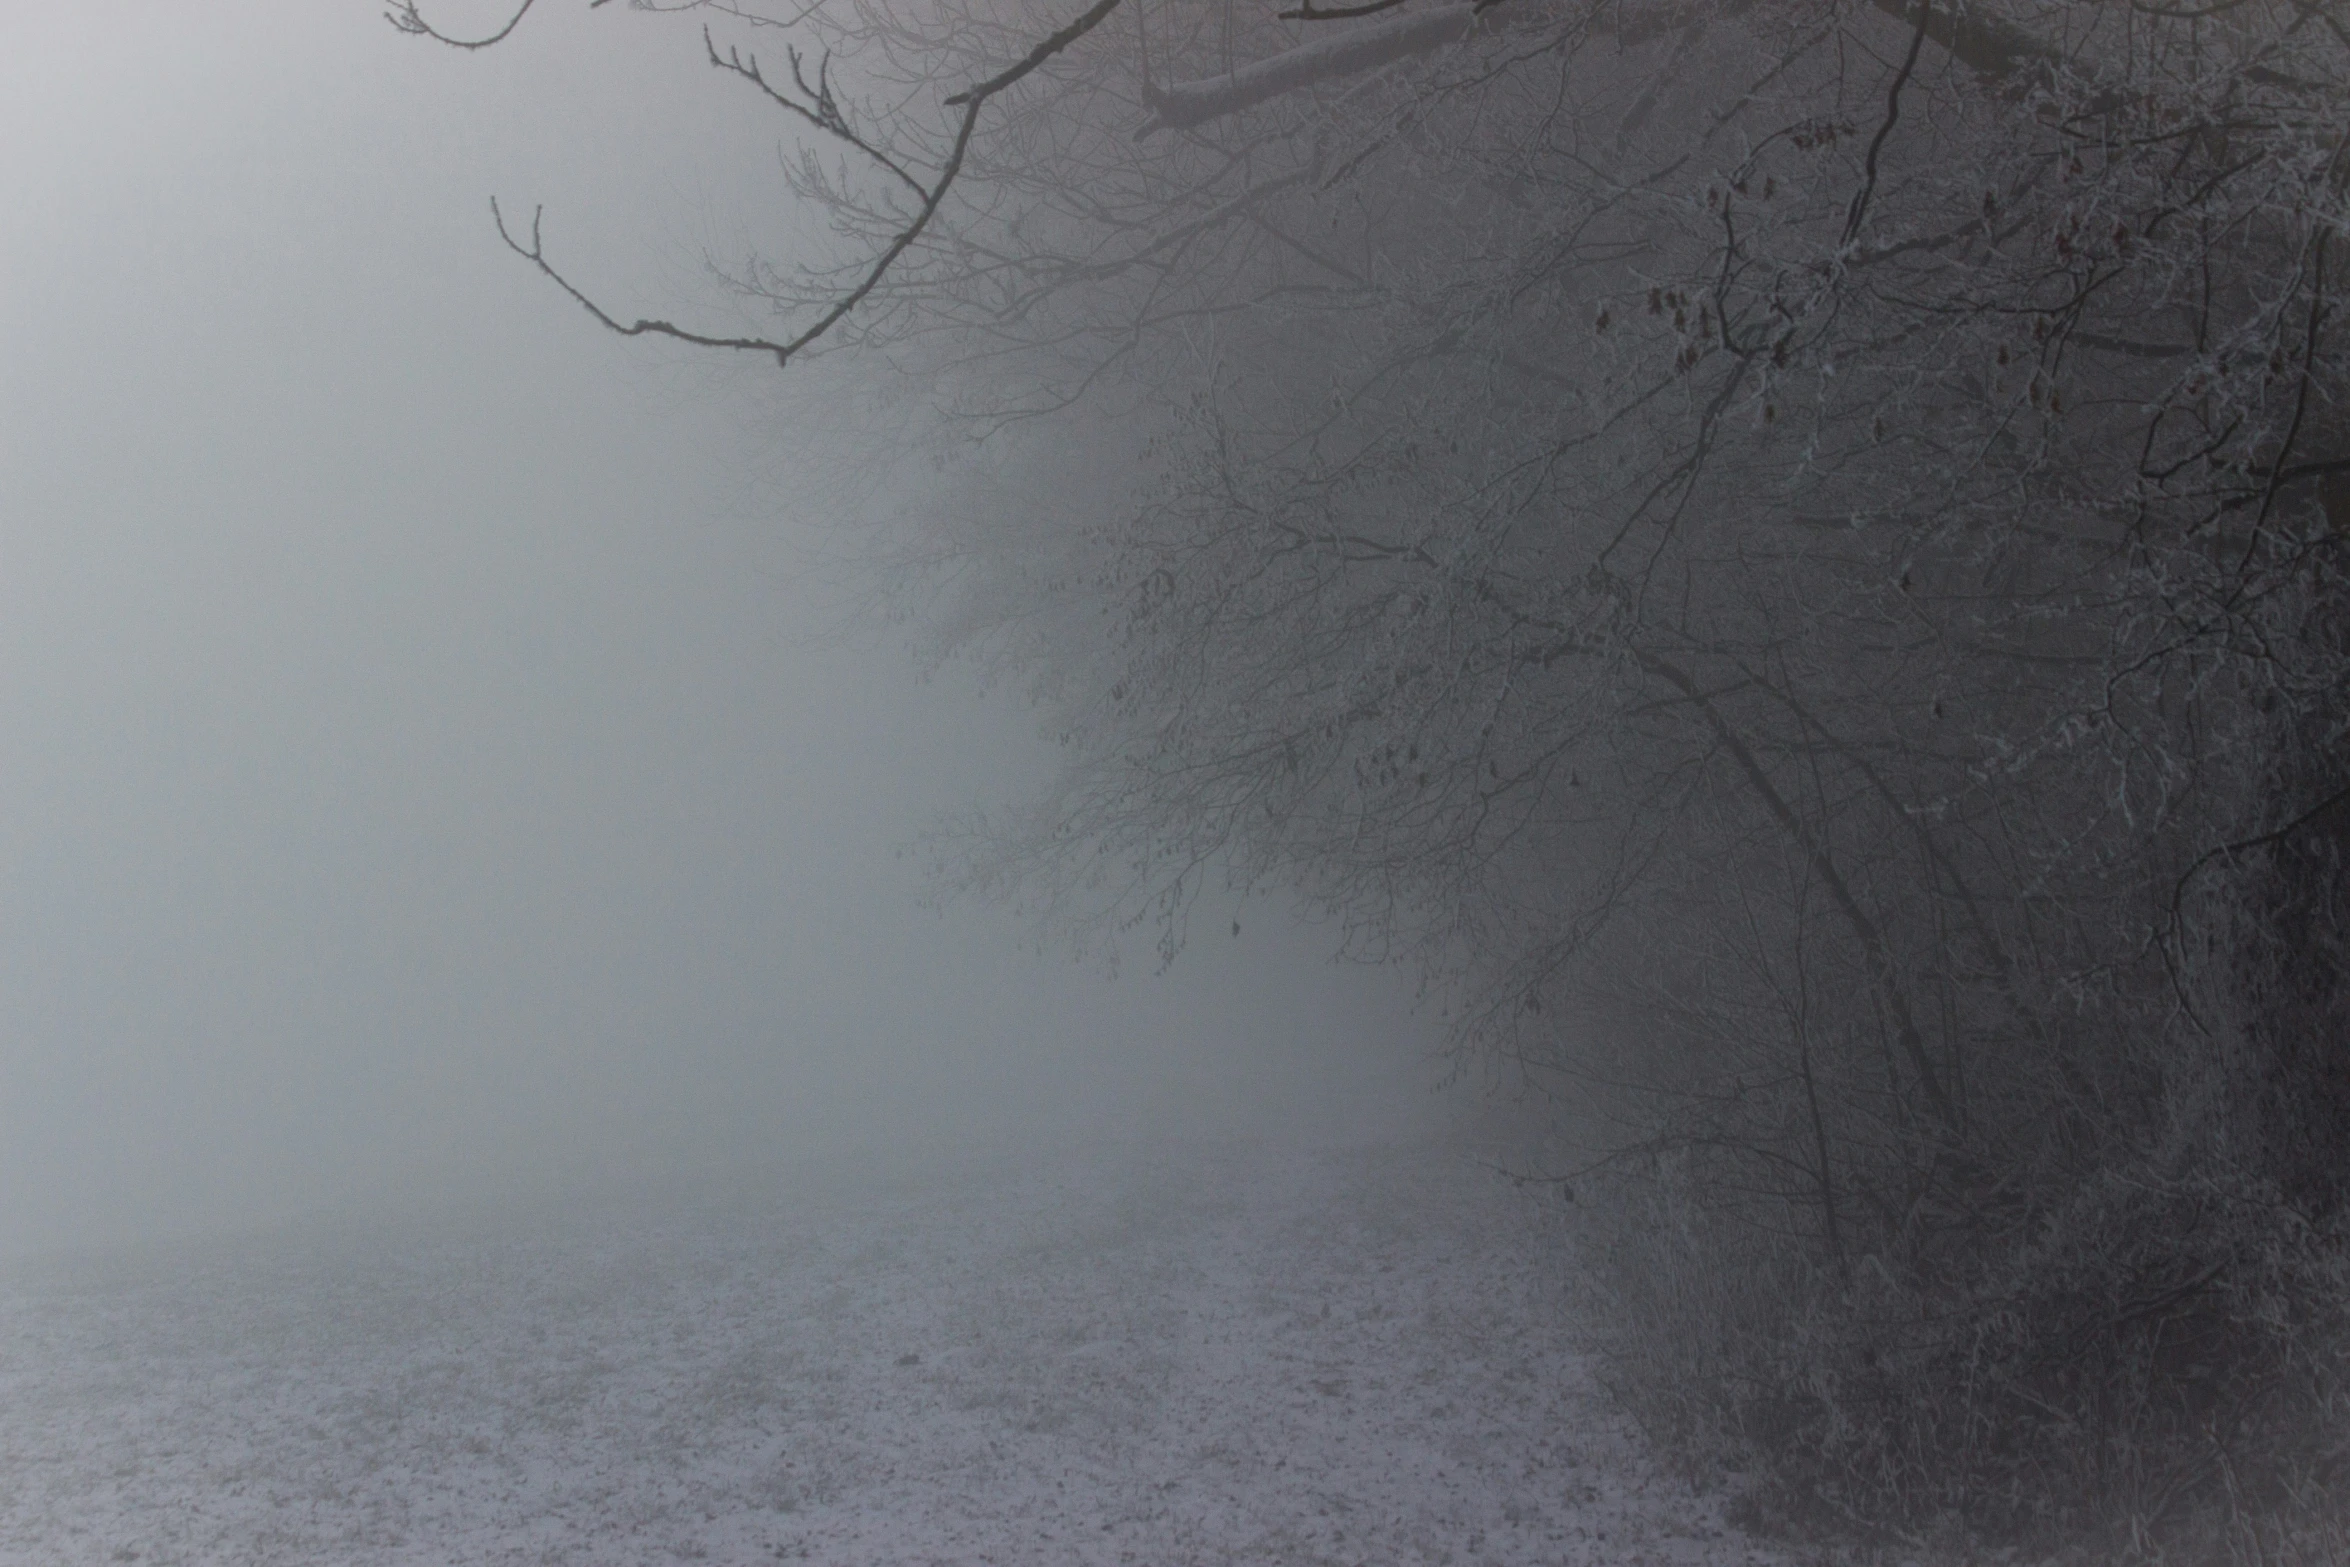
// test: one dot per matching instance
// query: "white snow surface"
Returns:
(1213, 1354)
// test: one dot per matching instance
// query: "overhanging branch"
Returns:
(1347, 53)
(1974, 37)
(971, 100)
(405, 16)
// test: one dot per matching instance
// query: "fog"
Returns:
(426, 776)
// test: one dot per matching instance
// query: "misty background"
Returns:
(426, 773)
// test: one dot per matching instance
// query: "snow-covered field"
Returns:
(1213, 1354)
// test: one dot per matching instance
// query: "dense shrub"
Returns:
(2147, 1359)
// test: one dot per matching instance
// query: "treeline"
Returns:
(1789, 556)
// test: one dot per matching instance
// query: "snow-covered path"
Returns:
(1213, 1355)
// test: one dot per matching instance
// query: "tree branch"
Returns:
(535, 254)
(1989, 45)
(1868, 184)
(2229, 851)
(408, 19)
(1872, 940)
(1344, 53)
(975, 96)
(820, 109)
(971, 100)
(1309, 12)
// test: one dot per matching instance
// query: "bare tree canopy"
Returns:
(1787, 553)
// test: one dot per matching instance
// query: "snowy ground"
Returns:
(1213, 1355)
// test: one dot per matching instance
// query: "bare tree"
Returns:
(1811, 531)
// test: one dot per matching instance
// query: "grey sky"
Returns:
(416, 774)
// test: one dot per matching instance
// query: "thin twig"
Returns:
(408, 19)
